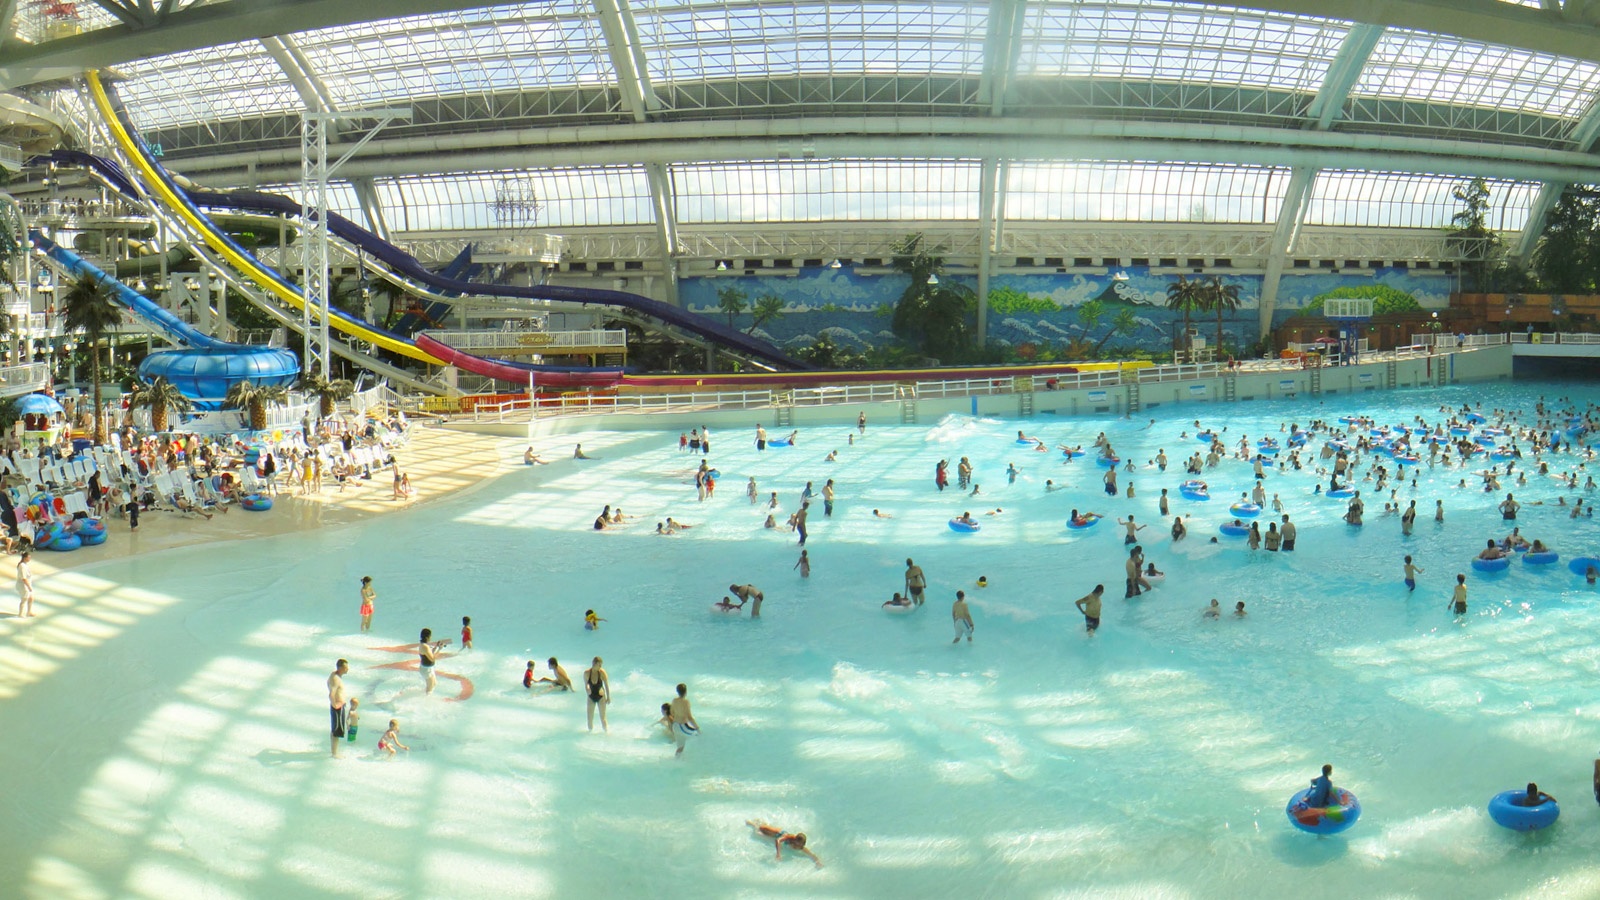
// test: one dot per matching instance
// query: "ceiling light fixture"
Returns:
(933, 278)
(835, 264)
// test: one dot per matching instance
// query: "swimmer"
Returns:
(881, 515)
(1132, 536)
(898, 602)
(1458, 601)
(1011, 473)
(995, 512)
(1591, 575)
(983, 581)
(1412, 571)
(974, 491)
(1087, 518)
(781, 839)
(962, 616)
(530, 458)
(1492, 551)
(832, 457)
(916, 581)
(770, 523)
(1050, 486)
(1322, 790)
(591, 622)
(577, 453)
(1214, 611)
(391, 738)
(966, 519)
(1533, 797)
(1150, 569)
(560, 682)
(666, 721)
(1179, 530)
(726, 604)
(1238, 610)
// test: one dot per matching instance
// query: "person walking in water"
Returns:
(428, 656)
(962, 617)
(367, 596)
(683, 721)
(1089, 605)
(1412, 571)
(25, 585)
(751, 594)
(916, 582)
(337, 710)
(1458, 602)
(598, 688)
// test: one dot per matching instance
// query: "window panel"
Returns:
(823, 190)
(567, 198)
(1397, 200)
(232, 81)
(1410, 65)
(1143, 192)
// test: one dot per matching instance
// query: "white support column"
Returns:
(661, 201)
(988, 212)
(371, 206)
(1342, 75)
(627, 57)
(1006, 19)
(1292, 213)
(1584, 136)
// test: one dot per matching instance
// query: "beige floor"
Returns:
(438, 462)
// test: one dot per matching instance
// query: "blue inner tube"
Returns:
(1458, 430)
(65, 542)
(1074, 454)
(1247, 510)
(1350, 420)
(1232, 530)
(1406, 460)
(90, 540)
(782, 443)
(1266, 462)
(1205, 437)
(1580, 565)
(1107, 462)
(1193, 494)
(1341, 493)
(1541, 559)
(1092, 521)
(713, 473)
(1323, 820)
(1476, 419)
(1299, 437)
(1501, 456)
(1491, 565)
(962, 527)
(1269, 450)
(1026, 443)
(1507, 814)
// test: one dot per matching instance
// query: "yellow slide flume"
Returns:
(252, 269)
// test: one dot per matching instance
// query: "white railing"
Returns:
(28, 375)
(966, 387)
(1185, 372)
(537, 341)
(843, 393)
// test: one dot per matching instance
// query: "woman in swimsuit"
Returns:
(598, 687)
(427, 656)
(781, 838)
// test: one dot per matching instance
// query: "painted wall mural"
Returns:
(1045, 310)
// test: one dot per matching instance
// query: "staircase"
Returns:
(1314, 381)
(1230, 387)
(1025, 404)
(1133, 397)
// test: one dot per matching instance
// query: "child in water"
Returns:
(527, 676)
(666, 721)
(591, 622)
(391, 738)
(353, 722)
(804, 565)
(466, 632)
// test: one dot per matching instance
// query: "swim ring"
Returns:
(65, 542)
(1073, 454)
(1493, 432)
(1026, 443)
(1194, 494)
(963, 527)
(1090, 522)
(1502, 455)
(1407, 459)
(778, 443)
(1324, 819)
(899, 610)
(1580, 565)
(1507, 814)
(1156, 578)
(1350, 420)
(1475, 419)
(1206, 437)
(1232, 530)
(1299, 437)
(1541, 559)
(688, 729)
(90, 540)
(1460, 431)
(1267, 462)
(1246, 510)
(1341, 493)
(256, 502)
(1267, 449)
(713, 473)
(1491, 565)
(1107, 462)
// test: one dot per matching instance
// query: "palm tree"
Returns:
(1220, 298)
(328, 392)
(159, 396)
(1124, 321)
(731, 300)
(1185, 297)
(88, 307)
(255, 397)
(937, 316)
(766, 309)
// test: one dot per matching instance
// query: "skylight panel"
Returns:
(827, 190)
(1410, 65)
(1143, 192)
(1404, 200)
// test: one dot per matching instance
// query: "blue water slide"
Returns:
(206, 367)
(408, 266)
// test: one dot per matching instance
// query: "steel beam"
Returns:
(371, 206)
(661, 202)
(1342, 75)
(1290, 215)
(1006, 18)
(988, 198)
(627, 57)
(1584, 135)
(311, 91)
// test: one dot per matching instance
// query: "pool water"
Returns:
(167, 732)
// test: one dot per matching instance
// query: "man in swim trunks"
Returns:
(1288, 531)
(1412, 571)
(1132, 536)
(916, 582)
(337, 711)
(1089, 605)
(682, 716)
(561, 681)
(748, 593)
(1459, 601)
(780, 838)
(598, 688)
(761, 438)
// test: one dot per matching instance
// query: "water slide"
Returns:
(207, 366)
(187, 204)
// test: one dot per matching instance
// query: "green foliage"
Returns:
(248, 395)
(824, 353)
(9, 413)
(1385, 299)
(1567, 258)
(1187, 298)
(1005, 301)
(159, 396)
(1479, 245)
(88, 307)
(768, 308)
(1219, 297)
(731, 300)
(937, 317)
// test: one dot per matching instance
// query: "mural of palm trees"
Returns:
(1185, 297)
(1124, 321)
(731, 301)
(766, 309)
(1221, 298)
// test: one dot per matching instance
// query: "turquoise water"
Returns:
(171, 739)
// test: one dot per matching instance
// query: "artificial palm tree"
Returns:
(254, 397)
(1221, 298)
(159, 396)
(328, 392)
(88, 307)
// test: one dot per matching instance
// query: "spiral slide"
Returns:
(186, 206)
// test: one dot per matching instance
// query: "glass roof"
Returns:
(526, 46)
(1143, 192)
(226, 82)
(566, 198)
(1397, 200)
(824, 190)
(1148, 40)
(1410, 65)
(712, 39)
